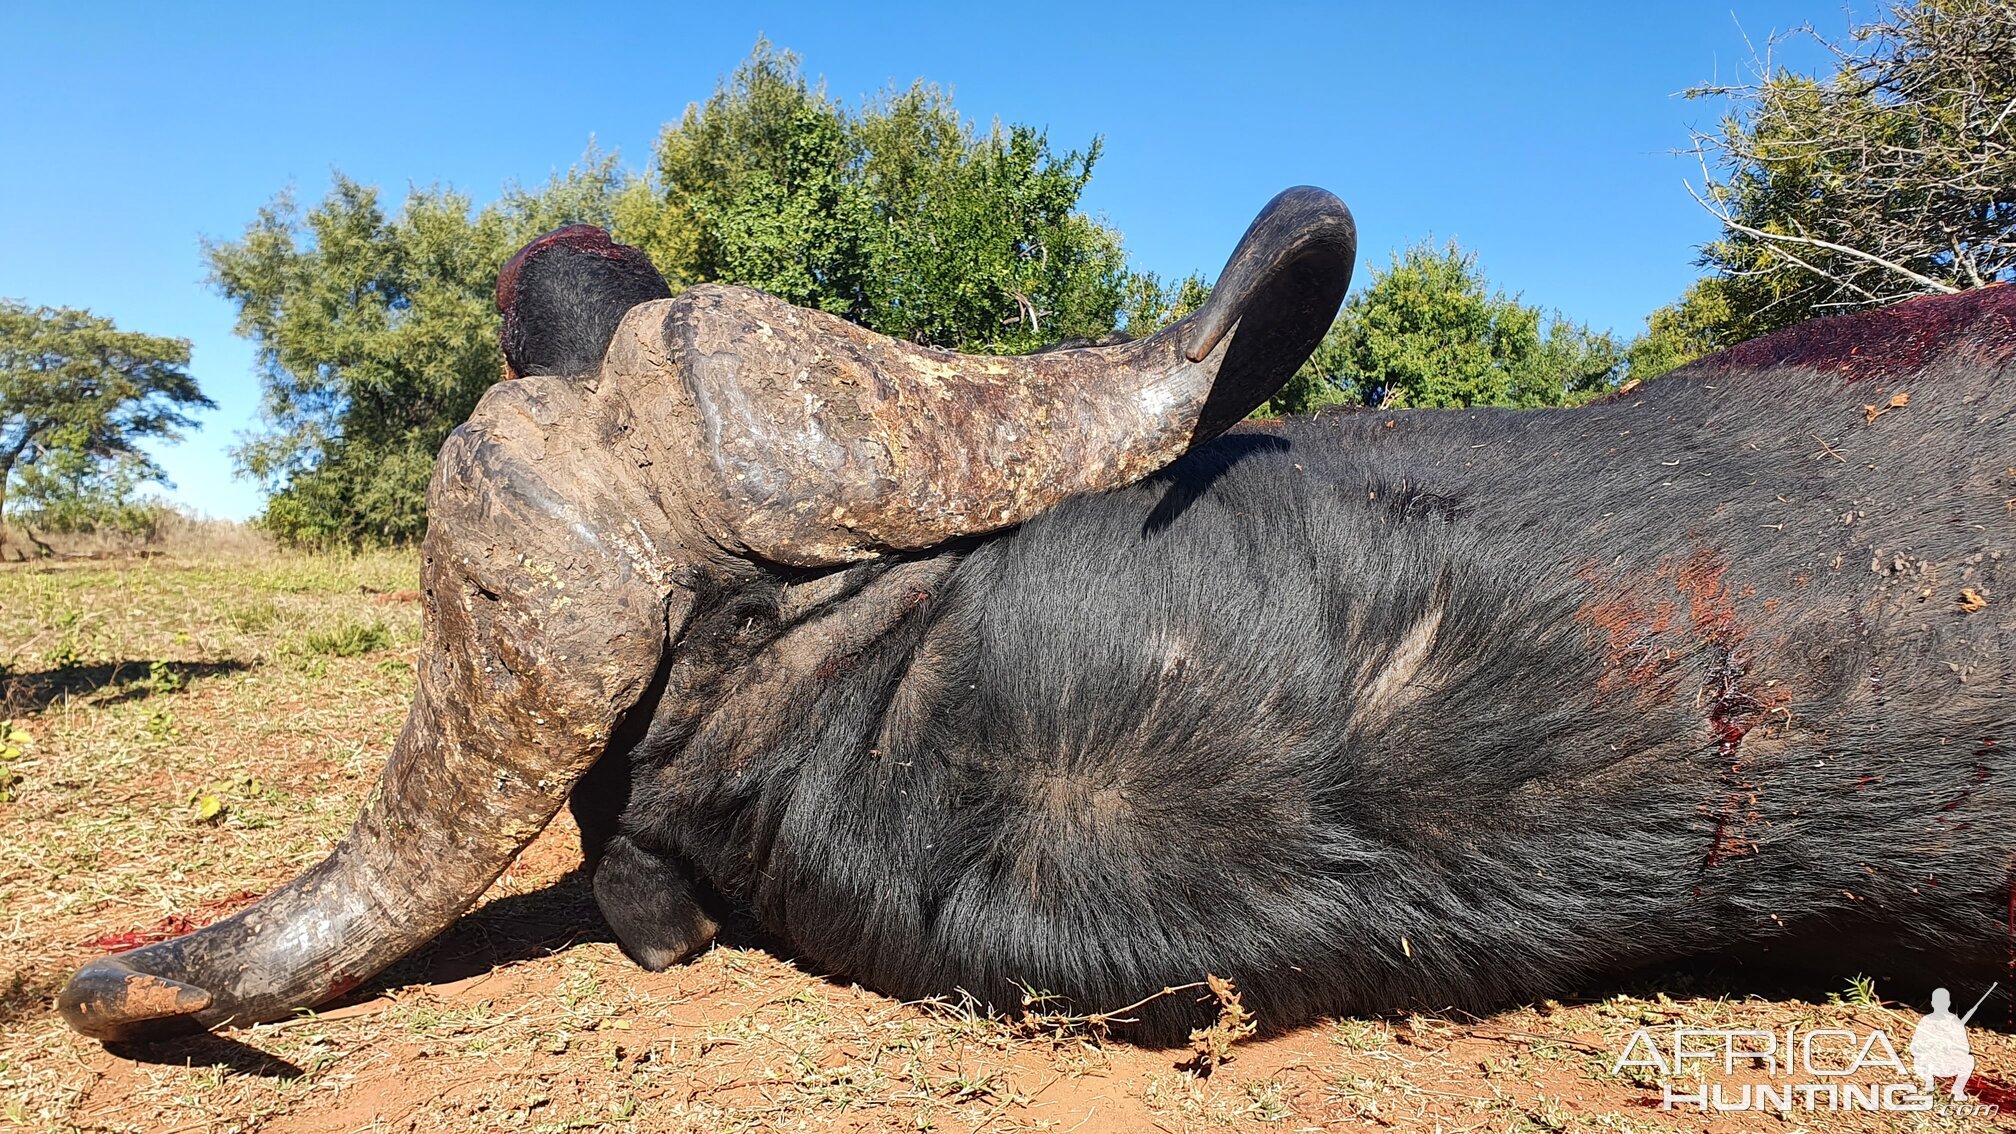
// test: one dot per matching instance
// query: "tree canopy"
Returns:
(376, 332)
(901, 216)
(1429, 331)
(1893, 176)
(78, 395)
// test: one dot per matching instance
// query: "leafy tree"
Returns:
(1147, 304)
(1429, 332)
(1698, 324)
(1429, 323)
(77, 395)
(376, 335)
(376, 331)
(1893, 176)
(900, 216)
(759, 185)
(69, 491)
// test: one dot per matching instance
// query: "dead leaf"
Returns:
(1212, 1046)
(1897, 401)
(1972, 600)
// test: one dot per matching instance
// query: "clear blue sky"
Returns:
(1537, 135)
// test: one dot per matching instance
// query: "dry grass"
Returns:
(199, 729)
(175, 533)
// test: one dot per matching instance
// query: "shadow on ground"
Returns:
(108, 683)
(562, 915)
(526, 926)
(208, 1049)
(519, 927)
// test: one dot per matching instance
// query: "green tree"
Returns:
(900, 216)
(759, 185)
(1429, 331)
(1147, 304)
(1699, 323)
(376, 331)
(1893, 176)
(376, 335)
(78, 395)
(67, 490)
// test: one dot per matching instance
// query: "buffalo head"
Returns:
(654, 451)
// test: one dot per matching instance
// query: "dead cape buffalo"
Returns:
(983, 673)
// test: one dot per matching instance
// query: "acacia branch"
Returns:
(1966, 261)
(1815, 242)
(1905, 152)
(1851, 285)
(1997, 124)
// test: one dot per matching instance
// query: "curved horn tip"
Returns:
(1299, 220)
(110, 1000)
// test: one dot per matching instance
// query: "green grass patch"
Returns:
(349, 639)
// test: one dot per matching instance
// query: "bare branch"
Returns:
(1815, 242)
(1891, 172)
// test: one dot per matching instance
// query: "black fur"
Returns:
(1380, 710)
(562, 296)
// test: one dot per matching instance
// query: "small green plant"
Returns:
(350, 639)
(1549, 1115)
(14, 742)
(161, 726)
(66, 652)
(1860, 993)
(162, 678)
(212, 802)
(1268, 1101)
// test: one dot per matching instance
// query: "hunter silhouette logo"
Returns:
(1939, 1048)
(1816, 1069)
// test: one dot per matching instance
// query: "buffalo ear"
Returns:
(650, 900)
(562, 296)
